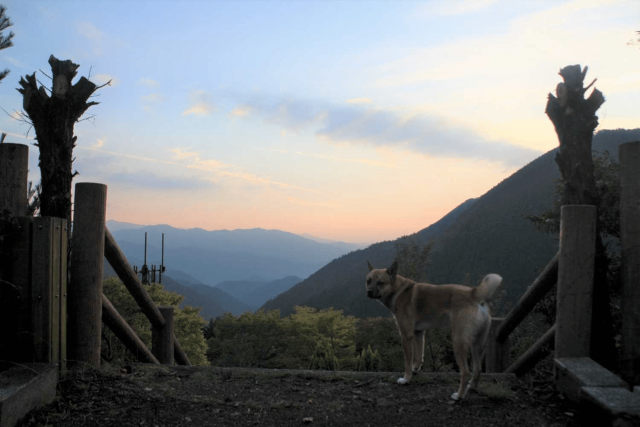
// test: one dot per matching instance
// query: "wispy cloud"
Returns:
(101, 79)
(93, 35)
(358, 101)
(240, 111)
(421, 133)
(200, 104)
(148, 82)
(347, 160)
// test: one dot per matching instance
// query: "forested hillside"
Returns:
(487, 235)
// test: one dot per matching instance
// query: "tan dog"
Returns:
(420, 306)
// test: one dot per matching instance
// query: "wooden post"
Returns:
(630, 242)
(497, 353)
(162, 337)
(575, 281)
(87, 265)
(14, 167)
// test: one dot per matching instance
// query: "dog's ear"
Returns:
(393, 271)
(369, 265)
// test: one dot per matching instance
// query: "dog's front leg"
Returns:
(407, 347)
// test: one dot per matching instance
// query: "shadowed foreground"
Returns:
(196, 396)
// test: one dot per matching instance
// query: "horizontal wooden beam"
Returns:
(123, 269)
(538, 289)
(125, 333)
(536, 352)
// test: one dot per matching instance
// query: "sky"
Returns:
(358, 121)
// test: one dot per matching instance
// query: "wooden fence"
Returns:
(43, 316)
(572, 269)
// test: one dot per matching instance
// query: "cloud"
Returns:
(347, 160)
(99, 143)
(148, 82)
(422, 133)
(101, 79)
(240, 111)
(358, 101)
(200, 104)
(93, 35)
(153, 97)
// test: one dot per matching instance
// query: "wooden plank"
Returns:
(64, 245)
(55, 289)
(630, 243)
(41, 288)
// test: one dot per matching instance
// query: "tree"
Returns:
(574, 119)
(5, 42)
(53, 118)
(413, 259)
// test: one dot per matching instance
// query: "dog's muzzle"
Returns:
(371, 295)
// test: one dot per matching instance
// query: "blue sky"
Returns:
(349, 120)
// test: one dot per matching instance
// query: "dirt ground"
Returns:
(147, 395)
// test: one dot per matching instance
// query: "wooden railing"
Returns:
(43, 320)
(572, 269)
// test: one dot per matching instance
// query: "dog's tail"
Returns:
(485, 290)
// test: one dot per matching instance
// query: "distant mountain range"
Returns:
(212, 257)
(485, 235)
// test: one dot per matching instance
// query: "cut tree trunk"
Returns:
(53, 119)
(575, 120)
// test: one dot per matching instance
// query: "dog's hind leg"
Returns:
(418, 351)
(461, 351)
(476, 354)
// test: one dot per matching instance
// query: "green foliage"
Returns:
(187, 322)
(250, 340)
(324, 357)
(368, 360)
(5, 41)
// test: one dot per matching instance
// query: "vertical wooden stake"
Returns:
(630, 242)
(87, 265)
(14, 167)
(162, 337)
(575, 281)
(497, 353)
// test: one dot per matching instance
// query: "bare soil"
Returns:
(152, 395)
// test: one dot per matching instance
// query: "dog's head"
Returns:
(379, 281)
